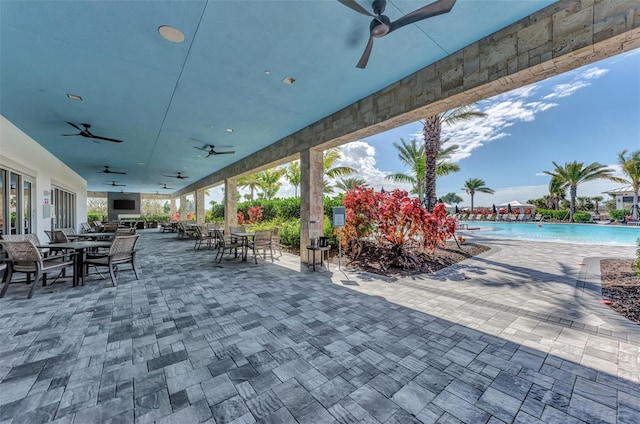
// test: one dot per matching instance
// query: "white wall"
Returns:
(20, 153)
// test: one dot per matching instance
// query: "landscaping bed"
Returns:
(621, 286)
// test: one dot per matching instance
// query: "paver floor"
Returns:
(515, 335)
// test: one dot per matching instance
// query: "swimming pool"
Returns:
(612, 235)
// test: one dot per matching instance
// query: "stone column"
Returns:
(200, 207)
(183, 207)
(172, 207)
(230, 203)
(311, 196)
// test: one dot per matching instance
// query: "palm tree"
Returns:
(432, 128)
(346, 184)
(574, 173)
(631, 168)
(597, 200)
(557, 192)
(269, 182)
(452, 198)
(292, 175)
(329, 158)
(251, 182)
(412, 155)
(475, 185)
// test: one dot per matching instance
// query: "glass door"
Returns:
(15, 209)
(27, 208)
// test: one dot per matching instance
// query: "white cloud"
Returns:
(360, 156)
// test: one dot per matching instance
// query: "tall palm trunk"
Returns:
(573, 191)
(432, 128)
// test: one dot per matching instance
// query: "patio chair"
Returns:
(32, 237)
(520, 217)
(275, 239)
(125, 231)
(110, 227)
(86, 228)
(261, 241)
(122, 251)
(226, 244)
(58, 236)
(203, 237)
(23, 256)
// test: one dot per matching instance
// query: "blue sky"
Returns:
(589, 115)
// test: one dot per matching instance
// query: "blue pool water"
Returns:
(612, 235)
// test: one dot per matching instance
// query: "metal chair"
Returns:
(261, 241)
(24, 256)
(226, 244)
(122, 251)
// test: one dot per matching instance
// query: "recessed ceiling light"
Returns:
(74, 96)
(288, 80)
(141, 163)
(212, 126)
(229, 129)
(171, 34)
(267, 72)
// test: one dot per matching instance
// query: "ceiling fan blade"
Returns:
(362, 63)
(200, 148)
(353, 5)
(105, 138)
(434, 9)
(226, 153)
(68, 135)
(74, 126)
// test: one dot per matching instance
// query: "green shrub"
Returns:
(554, 215)
(289, 208)
(217, 212)
(94, 217)
(581, 217)
(290, 234)
(619, 214)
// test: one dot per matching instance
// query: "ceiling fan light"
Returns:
(229, 129)
(74, 97)
(170, 33)
(289, 80)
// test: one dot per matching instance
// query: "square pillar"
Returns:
(183, 208)
(172, 207)
(200, 208)
(311, 195)
(230, 203)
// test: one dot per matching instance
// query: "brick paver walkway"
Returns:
(516, 335)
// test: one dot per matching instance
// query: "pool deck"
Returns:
(517, 334)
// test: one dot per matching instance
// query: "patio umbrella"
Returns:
(634, 212)
(509, 208)
(495, 210)
(457, 210)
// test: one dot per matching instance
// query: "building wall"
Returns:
(20, 153)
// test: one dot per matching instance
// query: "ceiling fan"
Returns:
(164, 187)
(106, 170)
(179, 176)
(88, 134)
(113, 184)
(211, 151)
(381, 25)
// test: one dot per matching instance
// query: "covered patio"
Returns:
(517, 334)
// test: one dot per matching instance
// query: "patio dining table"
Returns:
(245, 243)
(96, 236)
(80, 248)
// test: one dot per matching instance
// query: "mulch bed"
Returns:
(376, 260)
(621, 286)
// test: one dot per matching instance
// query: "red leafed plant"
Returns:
(395, 222)
(255, 214)
(240, 218)
(190, 216)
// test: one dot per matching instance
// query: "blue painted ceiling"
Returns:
(164, 98)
